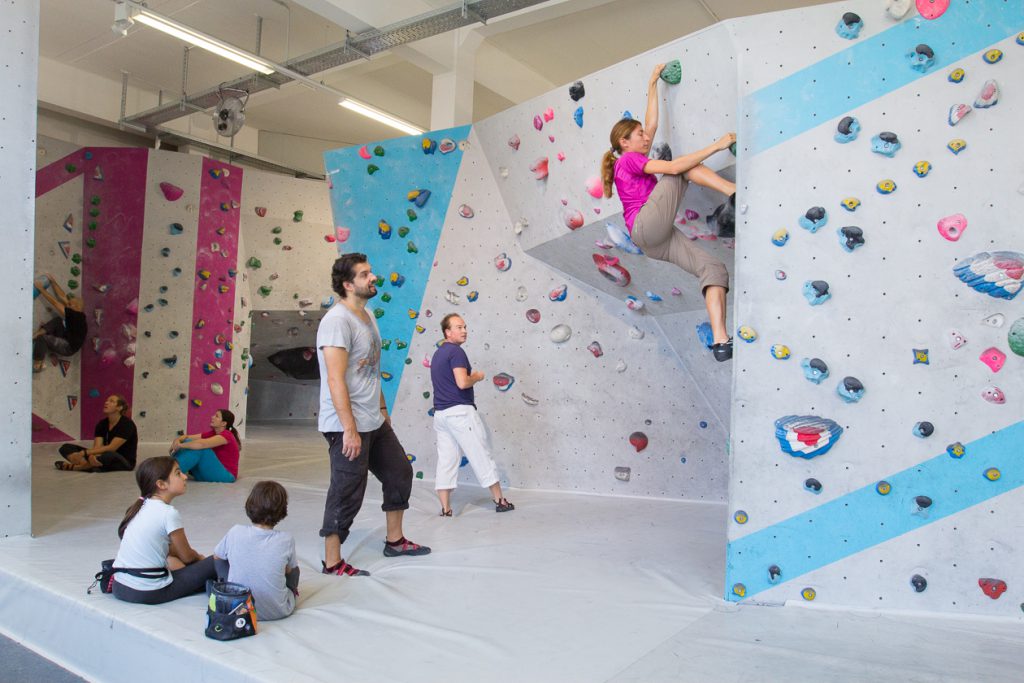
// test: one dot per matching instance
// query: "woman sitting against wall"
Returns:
(115, 443)
(213, 455)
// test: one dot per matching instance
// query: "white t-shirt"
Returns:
(343, 329)
(146, 543)
(258, 559)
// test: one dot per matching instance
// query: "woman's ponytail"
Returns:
(608, 171)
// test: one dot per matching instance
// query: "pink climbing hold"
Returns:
(426, 361)
(595, 186)
(638, 440)
(595, 348)
(540, 169)
(610, 268)
(364, 152)
(932, 9)
(952, 227)
(538, 122)
(574, 219)
(513, 142)
(549, 114)
(993, 358)
(994, 395)
(993, 588)
(676, 291)
(551, 138)
(330, 239)
(172, 193)
(261, 211)
(133, 307)
(341, 233)
(957, 113)
(561, 156)
(692, 215)
(533, 315)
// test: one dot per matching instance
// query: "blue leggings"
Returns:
(203, 465)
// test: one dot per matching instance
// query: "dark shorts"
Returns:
(109, 461)
(382, 454)
(188, 580)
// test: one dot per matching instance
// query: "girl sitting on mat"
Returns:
(649, 205)
(152, 537)
(213, 455)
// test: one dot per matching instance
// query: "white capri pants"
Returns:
(460, 430)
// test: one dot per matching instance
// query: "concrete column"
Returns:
(451, 101)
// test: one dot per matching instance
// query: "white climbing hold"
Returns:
(560, 333)
(636, 333)
(621, 366)
(994, 320)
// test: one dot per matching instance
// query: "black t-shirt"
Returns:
(76, 328)
(124, 429)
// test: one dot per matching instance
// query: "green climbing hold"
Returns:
(378, 150)
(419, 475)
(379, 281)
(411, 248)
(94, 212)
(378, 313)
(76, 258)
(385, 344)
(385, 297)
(70, 168)
(95, 200)
(254, 262)
(265, 290)
(295, 295)
(276, 230)
(76, 271)
(72, 284)
(410, 214)
(1016, 337)
(403, 231)
(408, 361)
(372, 168)
(277, 240)
(399, 344)
(426, 394)
(91, 242)
(297, 216)
(672, 73)
(93, 225)
(732, 148)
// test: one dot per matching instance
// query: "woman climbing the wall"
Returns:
(213, 455)
(115, 443)
(649, 205)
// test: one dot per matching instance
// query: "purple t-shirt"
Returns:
(446, 391)
(633, 185)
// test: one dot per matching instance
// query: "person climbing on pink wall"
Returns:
(649, 205)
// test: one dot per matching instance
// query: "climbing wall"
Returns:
(893, 482)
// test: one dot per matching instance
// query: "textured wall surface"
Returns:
(894, 320)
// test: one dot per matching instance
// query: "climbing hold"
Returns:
(994, 320)
(740, 517)
(780, 237)
(558, 293)
(886, 144)
(849, 26)
(364, 152)
(886, 186)
(850, 203)
(704, 335)
(513, 142)
(1016, 337)
(922, 168)
(172, 193)
(808, 594)
(462, 281)
(806, 436)
(549, 114)
(993, 395)
(920, 356)
(816, 292)
(636, 333)
(466, 211)
(472, 296)
(378, 313)
(538, 122)
(672, 73)
(529, 400)
(638, 440)
(957, 112)
(814, 219)
(372, 168)
(998, 274)
(815, 370)
(595, 187)
(922, 504)
(577, 116)
(993, 588)
(297, 216)
(897, 9)
(924, 429)
(921, 58)
(993, 358)
(919, 583)
(992, 474)
(165, 252)
(932, 9)
(521, 294)
(446, 146)
(170, 361)
(253, 263)
(989, 95)
(428, 145)
(265, 291)
(418, 197)
(739, 590)
(560, 333)
(992, 56)
(956, 450)
(621, 239)
(780, 275)
(204, 274)
(540, 168)
(502, 262)
(747, 334)
(780, 352)
(847, 129)
(503, 381)
(850, 390)
(609, 267)
(850, 237)
(385, 297)
(595, 348)
(663, 152)
(634, 304)
(883, 488)
(956, 146)
(573, 219)
(956, 75)
(812, 485)
(577, 91)
(176, 228)
(403, 231)
(533, 315)
(621, 473)
(384, 229)
(397, 279)
(1020, 38)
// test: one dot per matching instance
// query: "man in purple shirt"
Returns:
(459, 427)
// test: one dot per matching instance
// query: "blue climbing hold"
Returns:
(847, 130)
(815, 219)
(806, 436)
(816, 292)
(815, 370)
(705, 335)
(850, 390)
(577, 116)
(998, 274)
(886, 144)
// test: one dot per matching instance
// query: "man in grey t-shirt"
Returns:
(354, 420)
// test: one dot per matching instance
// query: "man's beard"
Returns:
(368, 293)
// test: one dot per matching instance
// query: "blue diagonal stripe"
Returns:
(863, 518)
(873, 67)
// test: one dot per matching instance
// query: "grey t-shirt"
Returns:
(341, 328)
(259, 559)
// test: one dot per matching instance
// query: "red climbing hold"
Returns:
(993, 588)
(638, 440)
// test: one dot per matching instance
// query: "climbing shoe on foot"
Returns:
(404, 546)
(723, 221)
(722, 351)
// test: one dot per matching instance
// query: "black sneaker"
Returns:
(404, 546)
(722, 351)
(503, 505)
(723, 221)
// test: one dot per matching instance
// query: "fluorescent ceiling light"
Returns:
(201, 40)
(377, 115)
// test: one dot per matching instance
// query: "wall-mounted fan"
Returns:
(229, 114)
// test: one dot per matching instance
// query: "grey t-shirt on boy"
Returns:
(341, 328)
(259, 559)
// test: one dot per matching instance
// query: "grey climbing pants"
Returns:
(52, 340)
(654, 232)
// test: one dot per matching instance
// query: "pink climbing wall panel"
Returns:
(214, 298)
(114, 216)
(59, 172)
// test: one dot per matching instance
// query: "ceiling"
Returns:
(520, 55)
